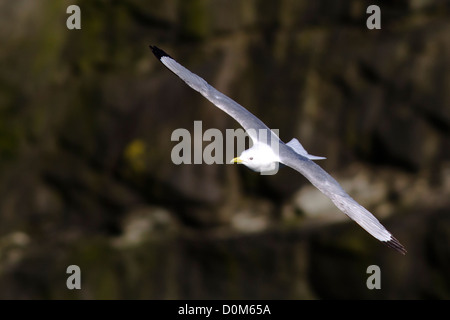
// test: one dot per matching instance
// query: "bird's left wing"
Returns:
(333, 190)
(245, 118)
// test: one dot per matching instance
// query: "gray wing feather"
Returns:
(333, 190)
(245, 118)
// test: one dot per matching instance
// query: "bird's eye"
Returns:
(251, 158)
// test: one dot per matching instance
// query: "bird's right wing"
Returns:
(333, 190)
(245, 118)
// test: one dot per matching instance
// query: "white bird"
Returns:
(268, 151)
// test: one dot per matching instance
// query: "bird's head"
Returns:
(258, 158)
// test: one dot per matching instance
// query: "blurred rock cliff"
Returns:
(86, 176)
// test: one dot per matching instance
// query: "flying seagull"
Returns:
(268, 151)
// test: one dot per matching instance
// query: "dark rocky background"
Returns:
(86, 176)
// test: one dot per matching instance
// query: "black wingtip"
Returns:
(396, 245)
(158, 52)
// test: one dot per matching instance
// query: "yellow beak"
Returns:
(236, 160)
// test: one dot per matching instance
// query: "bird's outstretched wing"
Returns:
(245, 118)
(333, 190)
